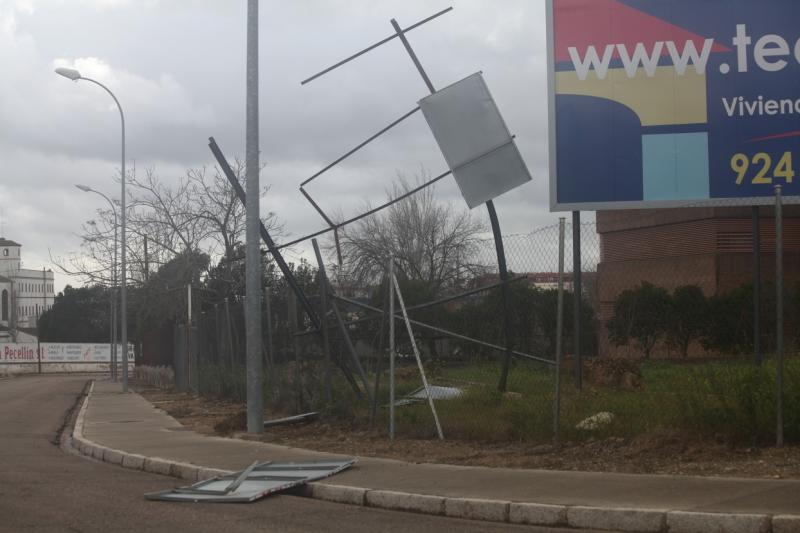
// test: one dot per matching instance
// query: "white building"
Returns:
(24, 293)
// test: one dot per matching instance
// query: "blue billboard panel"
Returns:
(668, 102)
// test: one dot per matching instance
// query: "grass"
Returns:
(732, 400)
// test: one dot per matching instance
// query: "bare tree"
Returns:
(94, 260)
(200, 213)
(431, 242)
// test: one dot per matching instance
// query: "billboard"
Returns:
(659, 103)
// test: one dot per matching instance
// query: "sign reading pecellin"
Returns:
(52, 352)
(668, 102)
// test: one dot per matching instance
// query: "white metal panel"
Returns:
(474, 140)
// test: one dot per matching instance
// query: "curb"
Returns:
(568, 516)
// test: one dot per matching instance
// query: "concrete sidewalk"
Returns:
(128, 430)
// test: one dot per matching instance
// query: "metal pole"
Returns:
(114, 359)
(577, 293)
(391, 348)
(255, 399)
(123, 267)
(123, 251)
(779, 311)
(111, 332)
(559, 336)
(756, 285)
(501, 265)
(112, 297)
(417, 357)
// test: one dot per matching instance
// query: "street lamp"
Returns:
(113, 344)
(74, 75)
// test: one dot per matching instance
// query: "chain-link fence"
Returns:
(665, 337)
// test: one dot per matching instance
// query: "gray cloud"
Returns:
(178, 70)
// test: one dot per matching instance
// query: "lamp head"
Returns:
(70, 73)
(84, 188)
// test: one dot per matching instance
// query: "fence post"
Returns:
(779, 311)
(292, 301)
(217, 336)
(379, 359)
(756, 285)
(391, 348)
(229, 334)
(559, 336)
(577, 300)
(271, 370)
(323, 321)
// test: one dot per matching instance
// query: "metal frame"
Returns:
(265, 236)
(340, 321)
(498, 237)
(449, 333)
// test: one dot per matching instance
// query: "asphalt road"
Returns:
(43, 488)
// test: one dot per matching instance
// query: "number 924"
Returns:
(763, 172)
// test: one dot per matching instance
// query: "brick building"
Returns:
(708, 247)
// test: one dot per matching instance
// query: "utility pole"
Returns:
(255, 398)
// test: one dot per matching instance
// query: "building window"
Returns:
(5, 252)
(4, 305)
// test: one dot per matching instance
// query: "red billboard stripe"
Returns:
(773, 137)
(598, 23)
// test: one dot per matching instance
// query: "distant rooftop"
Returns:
(6, 242)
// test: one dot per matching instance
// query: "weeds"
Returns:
(732, 400)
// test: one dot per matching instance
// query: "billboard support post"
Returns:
(559, 337)
(756, 286)
(779, 312)
(577, 293)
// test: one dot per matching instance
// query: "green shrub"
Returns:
(640, 314)
(687, 318)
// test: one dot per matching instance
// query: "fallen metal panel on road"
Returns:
(257, 481)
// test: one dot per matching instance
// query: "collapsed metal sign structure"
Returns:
(253, 483)
(485, 161)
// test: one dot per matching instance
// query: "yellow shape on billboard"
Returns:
(665, 99)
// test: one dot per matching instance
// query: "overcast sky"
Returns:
(178, 69)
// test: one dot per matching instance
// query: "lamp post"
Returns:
(113, 345)
(74, 75)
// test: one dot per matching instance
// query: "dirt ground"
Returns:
(658, 453)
